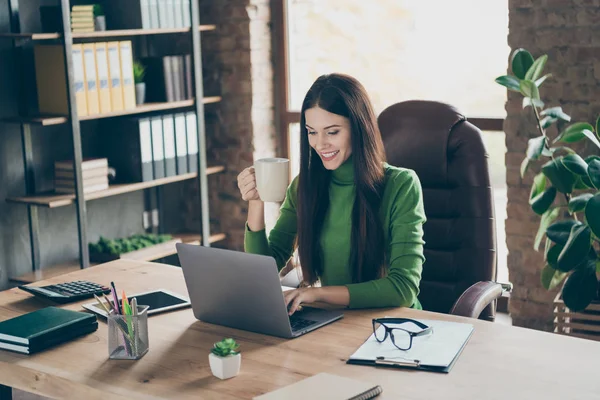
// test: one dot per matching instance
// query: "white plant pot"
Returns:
(225, 367)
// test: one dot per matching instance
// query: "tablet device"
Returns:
(159, 300)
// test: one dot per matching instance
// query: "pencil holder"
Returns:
(128, 335)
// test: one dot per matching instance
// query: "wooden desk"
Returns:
(499, 362)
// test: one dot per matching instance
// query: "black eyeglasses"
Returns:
(401, 338)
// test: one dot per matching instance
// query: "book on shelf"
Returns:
(158, 152)
(129, 150)
(169, 145)
(127, 74)
(147, 14)
(91, 79)
(114, 72)
(38, 330)
(103, 78)
(192, 141)
(51, 79)
(171, 78)
(181, 152)
(87, 163)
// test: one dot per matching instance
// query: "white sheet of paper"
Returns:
(436, 350)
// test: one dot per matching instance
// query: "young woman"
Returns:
(357, 222)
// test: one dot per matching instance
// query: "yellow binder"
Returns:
(102, 72)
(127, 75)
(114, 72)
(79, 81)
(91, 80)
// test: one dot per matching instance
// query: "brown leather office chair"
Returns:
(448, 155)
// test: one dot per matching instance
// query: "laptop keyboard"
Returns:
(299, 323)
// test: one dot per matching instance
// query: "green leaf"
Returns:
(581, 287)
(574, 133)
(560, 177)
(592, 214)
(578, 203)
(528, 89)
(535, 71)
(539, 82)
(590, 135)
(535, 147)
(528, 101)
(547, 219)
(575, 164)
(594, 173)
(524, 166)
(556, 112)
(598, 266)
(576, 249)
(559, 231)
(551, 277)
(553, 253)
(598, 127)
(539, 185)
(547, 121)
(511, 82)
(521, 61)
(543, 201)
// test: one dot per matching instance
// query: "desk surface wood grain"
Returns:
(499, 361)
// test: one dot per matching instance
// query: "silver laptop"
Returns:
(243, 291)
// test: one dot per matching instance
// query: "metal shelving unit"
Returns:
(34, 200)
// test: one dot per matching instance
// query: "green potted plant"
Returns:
(99, 18)
(565, 192)
(225, 359)
(139, 71)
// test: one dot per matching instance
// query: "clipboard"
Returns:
(436, 353)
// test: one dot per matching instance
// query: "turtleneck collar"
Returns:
(344, 174)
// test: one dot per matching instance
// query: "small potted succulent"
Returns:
(139, 71)
(224, 359)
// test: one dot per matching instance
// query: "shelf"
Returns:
(104, 34)
(147, 254)
(52, 200)
(144, 108)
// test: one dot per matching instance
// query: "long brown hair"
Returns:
(342, 95)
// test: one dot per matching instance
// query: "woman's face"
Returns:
(329, 135)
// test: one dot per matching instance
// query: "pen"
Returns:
(115, 298)
(135, 323)
(99, 300)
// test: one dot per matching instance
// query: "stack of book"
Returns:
(41, 329)
(94, 171)
(82, 18)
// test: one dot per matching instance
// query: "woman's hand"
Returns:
(293, 298)
(247, 184)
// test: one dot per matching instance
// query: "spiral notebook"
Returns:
(325, 387)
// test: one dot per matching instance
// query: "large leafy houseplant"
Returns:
(565, 193)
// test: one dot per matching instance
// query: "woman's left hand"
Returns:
(293, 298)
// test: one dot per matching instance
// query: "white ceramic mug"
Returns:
(272, 178)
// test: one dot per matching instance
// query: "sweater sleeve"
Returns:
(280, 244)
(405, 249)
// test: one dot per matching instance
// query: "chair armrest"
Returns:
(476, 298)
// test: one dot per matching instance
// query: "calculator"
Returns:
(67, 292)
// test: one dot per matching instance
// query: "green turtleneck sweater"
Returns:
(402, 216)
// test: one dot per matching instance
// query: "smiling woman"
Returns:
(357, 222)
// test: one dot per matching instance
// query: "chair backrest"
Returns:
(447, 153)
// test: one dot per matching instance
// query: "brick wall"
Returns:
(566, 30)
(237, 66)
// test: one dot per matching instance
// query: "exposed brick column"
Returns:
(237, 65)
(566, 30)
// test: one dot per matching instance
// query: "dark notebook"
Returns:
(41, 324)
(49, 341)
